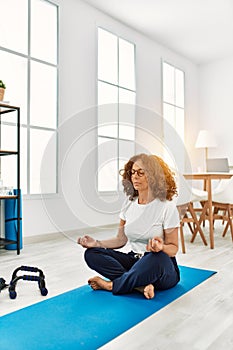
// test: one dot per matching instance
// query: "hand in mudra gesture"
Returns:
(155, 245)
(87, 242)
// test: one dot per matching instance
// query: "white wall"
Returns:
(216, 105)
(78, 204)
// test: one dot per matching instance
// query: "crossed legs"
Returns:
(126, 272)
(99, 283)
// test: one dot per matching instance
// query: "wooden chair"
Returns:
(224, 212)
(186, 197)
(188, 216)
(223, 206)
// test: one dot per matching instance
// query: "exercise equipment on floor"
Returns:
(15, 278)
(3, 284)
(39, 279)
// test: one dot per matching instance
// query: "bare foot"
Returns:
(99, 283)
(149, 291)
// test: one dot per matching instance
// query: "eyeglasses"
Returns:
(140, 172)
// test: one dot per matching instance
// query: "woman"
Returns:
(149, 221)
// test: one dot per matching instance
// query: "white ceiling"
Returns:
(201, 30)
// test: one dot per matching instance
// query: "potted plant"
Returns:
(2, 90)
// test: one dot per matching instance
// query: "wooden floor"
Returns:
(201, 319)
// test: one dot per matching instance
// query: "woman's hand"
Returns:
(87, 242)
(155, 245)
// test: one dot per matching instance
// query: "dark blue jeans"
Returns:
(128, 272)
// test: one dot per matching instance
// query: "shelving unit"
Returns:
(5, 108)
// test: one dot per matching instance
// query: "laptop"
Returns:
(217, 165)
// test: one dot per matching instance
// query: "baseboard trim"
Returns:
(70, 233)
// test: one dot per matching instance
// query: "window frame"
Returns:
(173, 105)
(119, 87)
(26, 125)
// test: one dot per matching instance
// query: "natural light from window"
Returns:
(116, 111)
(29, 68)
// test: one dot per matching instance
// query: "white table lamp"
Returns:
(205, 139)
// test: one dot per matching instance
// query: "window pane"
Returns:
(107, 56)
(107, 165)
(8, 171)
(13, 72)
(108, 110)
(8, 137)
(9, 163)
(44, 31)
(126, 114)
(179, 88)
(126, 96)
(180, 122)
(169, 114)
(14, 25)
(126, 64)
(168, 83)
(43, 110)
(43, 162)
(126, 151)
(107, 93)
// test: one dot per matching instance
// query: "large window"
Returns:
(29, 69)
(173, 98)
(173, 114)
(116, 111)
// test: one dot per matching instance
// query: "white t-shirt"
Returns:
(145, 221)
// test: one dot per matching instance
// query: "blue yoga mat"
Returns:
(86, 319)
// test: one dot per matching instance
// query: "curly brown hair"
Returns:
(160, 178)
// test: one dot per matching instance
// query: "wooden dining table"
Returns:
(207, 179)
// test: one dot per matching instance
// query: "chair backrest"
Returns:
(217, 165)
(224, 192)
(184, 191)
